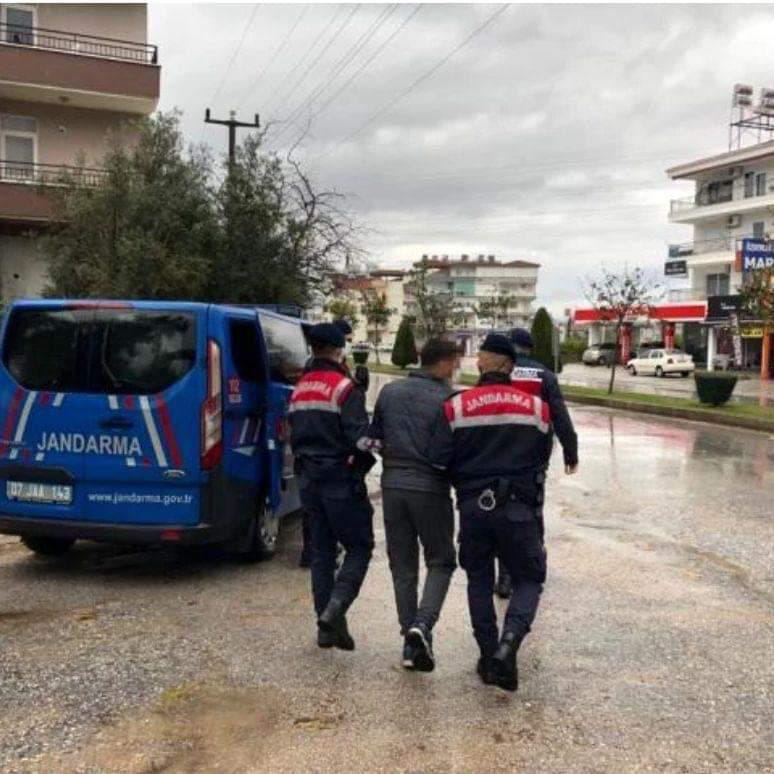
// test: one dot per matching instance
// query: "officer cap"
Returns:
(326, 334)
(521, 338)
(499, 344)
(343, 326)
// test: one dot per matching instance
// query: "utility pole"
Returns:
(232, 125)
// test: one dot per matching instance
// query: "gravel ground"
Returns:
(652, 650)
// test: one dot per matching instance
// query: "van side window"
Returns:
(41, 349)
(246, 350)
(287, 348)
(144, 352)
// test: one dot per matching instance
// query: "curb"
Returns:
(693, 415)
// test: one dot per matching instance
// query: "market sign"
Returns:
(676, 268)
(750, 332)
(757, 254)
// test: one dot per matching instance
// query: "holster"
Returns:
(528, 489)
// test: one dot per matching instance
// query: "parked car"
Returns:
(146, 422)
(600, 354)
(660, 362)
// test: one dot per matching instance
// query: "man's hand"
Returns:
(571, 469)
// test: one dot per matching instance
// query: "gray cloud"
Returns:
(547, 137)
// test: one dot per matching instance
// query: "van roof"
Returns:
(178, 306)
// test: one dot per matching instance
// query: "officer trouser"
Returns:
(513, 532)
(339, 512)
(411, 518)
(502, 570)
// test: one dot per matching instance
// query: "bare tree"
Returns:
(618, 296)
(436, 311)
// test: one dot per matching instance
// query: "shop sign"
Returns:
(757, 254)
(751, 332)
(720, 308)
(676, 268)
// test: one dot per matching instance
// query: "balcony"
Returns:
(41, 65)
(22, 200)
(706, 205)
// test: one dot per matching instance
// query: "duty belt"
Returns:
(524, 490)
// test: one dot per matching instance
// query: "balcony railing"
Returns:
(702, 246)
(737, 192)
(77, 43)
(49, 174)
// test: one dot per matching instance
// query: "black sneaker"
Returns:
(409, 654)
(504, 666)
(420, 638)
(485, 672)
(333, 622)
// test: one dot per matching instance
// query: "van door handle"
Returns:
(116, 423)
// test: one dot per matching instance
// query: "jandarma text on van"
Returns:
(123, 445)
(135, 498)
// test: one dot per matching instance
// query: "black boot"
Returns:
(332, 621)
(504, 666)
(485, 671)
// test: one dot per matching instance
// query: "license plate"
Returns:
(31, 492)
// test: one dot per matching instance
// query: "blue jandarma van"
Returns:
(146, 422)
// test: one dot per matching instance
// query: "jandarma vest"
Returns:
(321, 391)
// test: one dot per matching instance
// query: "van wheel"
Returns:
(261, 539)
(45, 546)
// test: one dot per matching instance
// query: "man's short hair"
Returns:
(436, 350)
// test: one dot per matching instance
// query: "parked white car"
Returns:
(660, 362)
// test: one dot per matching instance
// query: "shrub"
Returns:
(404, 351)
(573, 349)
(714, 387)
(542, 339)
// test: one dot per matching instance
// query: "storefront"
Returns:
(733, 339)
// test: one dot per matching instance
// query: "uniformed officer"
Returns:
(533, 377)
(327, 420)
(492, 440)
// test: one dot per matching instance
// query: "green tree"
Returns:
(618, 296)
(377, 316)
(435, 311)
(543, 338)
(343, 309)
(404, 351)
(146, 230)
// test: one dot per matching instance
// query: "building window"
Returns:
(18, 147)
(760, 184)
(19, 21)
(759, 229)
(717, 284)
(749, 184)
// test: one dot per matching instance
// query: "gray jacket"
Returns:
(405, 414)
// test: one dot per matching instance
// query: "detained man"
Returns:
(416, 498)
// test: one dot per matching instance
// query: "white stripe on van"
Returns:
(58, 398)
(25, 415)
(39, 457)
(257, 433)
(113, 402)
(243, 434)
(147, 415)
(131, 462)
(14, 454)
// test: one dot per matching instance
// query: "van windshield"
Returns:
(111, 351)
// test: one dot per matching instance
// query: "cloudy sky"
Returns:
(543, 135)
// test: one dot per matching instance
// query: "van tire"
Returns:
(260, 542)
(48, 546)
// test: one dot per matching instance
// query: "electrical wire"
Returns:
(337, 69)
(275, 55)
(421, 79)
(245, 30)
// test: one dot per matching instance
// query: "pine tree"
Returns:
(542, 338)
(404, 351)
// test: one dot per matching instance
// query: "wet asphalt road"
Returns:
(653, 649)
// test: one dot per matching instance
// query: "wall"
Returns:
(64, 132)
(124, 21)
(23, 270)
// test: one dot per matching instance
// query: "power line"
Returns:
(322, 52)
(297, 66)
(338, 68)
(275, 54)
(366, 64)
(247, 26)
(421, 79)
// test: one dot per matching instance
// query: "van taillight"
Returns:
(212, 411)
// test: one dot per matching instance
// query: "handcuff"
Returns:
(487, 501)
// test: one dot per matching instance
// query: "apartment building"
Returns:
(732, 216)
(474, 281)
(71, 75)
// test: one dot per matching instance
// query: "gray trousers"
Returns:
(411, 518)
